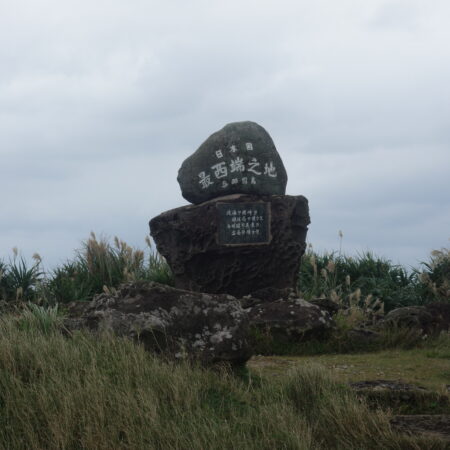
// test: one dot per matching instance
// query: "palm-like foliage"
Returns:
(435, 276)
(18, 280)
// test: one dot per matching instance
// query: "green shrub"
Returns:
(435, 276)
(71, 282)
(357, 280)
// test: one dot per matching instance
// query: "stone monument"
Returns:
(242, 234)
(241, 158)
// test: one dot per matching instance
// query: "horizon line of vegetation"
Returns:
(100, 266)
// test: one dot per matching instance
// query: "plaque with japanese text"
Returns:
(243, 223)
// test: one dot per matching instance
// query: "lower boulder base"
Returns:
(178, 324)
(189, 239)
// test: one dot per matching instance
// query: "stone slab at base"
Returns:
(206, 254)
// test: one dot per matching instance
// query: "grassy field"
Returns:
(87, 392)
(416, 366)
(102, 392)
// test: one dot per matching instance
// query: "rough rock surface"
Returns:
(400, 396)
(363, 336)
(292, 318)
(441, 314)
(187, 238)
(431, 425)
(428, 320)
(327, 305)
(240, 158)
(386, 385)
(266, 295)
(179, 324)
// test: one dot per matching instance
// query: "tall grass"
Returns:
(104, 392)
(98, 266)
(101, 266)
(373, 282)
(435, 277)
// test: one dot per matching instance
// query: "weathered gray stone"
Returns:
(386, 385)
(189, 240)
(327, 305)
(430, 319)
(363, 336)
(430, 426)
(240, 158)
(293, 318)
(179, 324)
(266, 295)
(400, 396)
(411, 317)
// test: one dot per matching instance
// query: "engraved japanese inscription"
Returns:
(241, 158)
(243, 223)
(234, 169)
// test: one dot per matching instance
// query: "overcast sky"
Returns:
(101, 101)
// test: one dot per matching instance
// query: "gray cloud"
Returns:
(101, 101)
